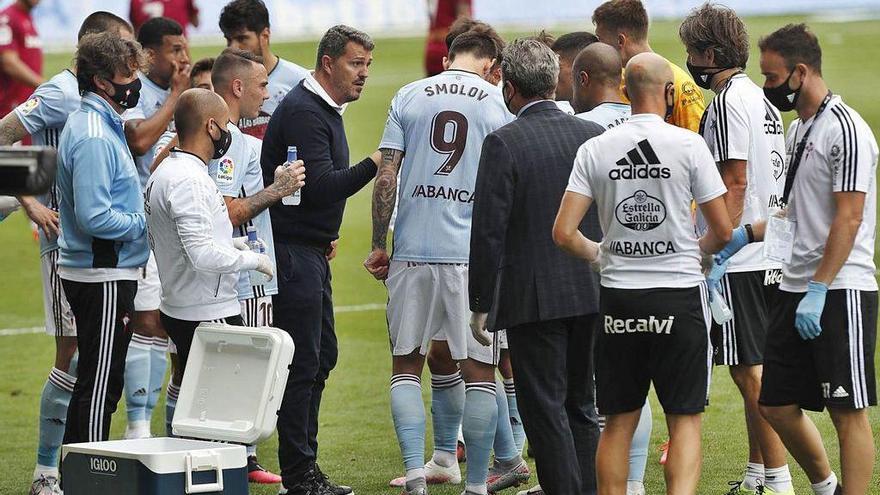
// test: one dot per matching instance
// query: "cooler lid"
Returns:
(233, 384)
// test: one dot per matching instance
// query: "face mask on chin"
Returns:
(783, 97)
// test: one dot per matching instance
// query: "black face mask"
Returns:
(670, 105)
(126, 95)
(701, 76)
(506, 101)
(783, 97)
(221, 144)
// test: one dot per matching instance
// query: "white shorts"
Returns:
(149, 293)
(257, 311)
(430, 301)
(59, 317)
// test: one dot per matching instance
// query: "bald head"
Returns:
(194, 109)
(647, 75)
(601, 63)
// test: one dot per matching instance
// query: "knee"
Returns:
(849, 420)
(746, 378)
(440, 363)
(777, 415)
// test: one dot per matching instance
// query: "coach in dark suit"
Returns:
(547, 300)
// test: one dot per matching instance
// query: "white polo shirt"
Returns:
(190, 233)
(840, 156)
(643, 175)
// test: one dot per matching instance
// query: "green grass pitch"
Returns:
(358, 445)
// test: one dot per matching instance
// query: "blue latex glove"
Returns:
(713, 279)
(738, 240)
(809, 311)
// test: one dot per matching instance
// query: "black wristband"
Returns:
(749, 232)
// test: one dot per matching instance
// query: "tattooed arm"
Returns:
(11, 130)
(384, 199)
(287, 181)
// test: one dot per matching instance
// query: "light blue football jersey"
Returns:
(43, 115)
(152, 98)
(238, 174)
(608, 114)
(440, 123)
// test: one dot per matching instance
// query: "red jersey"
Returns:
(18, 34)
(179, 10)
(443, 13)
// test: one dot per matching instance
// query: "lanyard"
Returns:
(799, 150)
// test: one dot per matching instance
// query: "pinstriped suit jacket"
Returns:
(516, 271)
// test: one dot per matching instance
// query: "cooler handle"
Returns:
(203, 462)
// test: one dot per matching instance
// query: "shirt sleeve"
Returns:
(706, 182)
(731, 137)
(689, 106)
(44, 109)
(579, 181)
(394, 137)
(93, 177)
(190, 203)
(851, 152)
(136, 113)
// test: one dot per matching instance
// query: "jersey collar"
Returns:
(100, 105)
(645, 117)
(186, 155)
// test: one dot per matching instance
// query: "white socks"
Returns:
(826, 487)
(754, 476)
(779, 479)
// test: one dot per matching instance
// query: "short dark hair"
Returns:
(153, 31)
(201, 66)
(104, 55)
(251, 15)
(101, 21)
(570, 44)
(797, 44)
(480, 45)
(335, 40)
(623, 15)
(717, 28)
(229, 62)
(465, 24)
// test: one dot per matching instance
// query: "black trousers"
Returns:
(183, 331)
(303, 308)
(101, 310)
(553, 366)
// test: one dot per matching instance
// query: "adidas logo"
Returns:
(839, 393)
(140, 392)
(639, 163)
(772, 123)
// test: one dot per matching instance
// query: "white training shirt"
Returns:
(440, 123)
(642, 176)
(607, 114)
(284, 77)
(840, 156)
(189, 232)
(238, 174)
(151, 100)
(740, 124)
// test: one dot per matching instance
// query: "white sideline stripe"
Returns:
(356, 308)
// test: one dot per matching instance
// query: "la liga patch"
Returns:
(225, 170)
(29, 106)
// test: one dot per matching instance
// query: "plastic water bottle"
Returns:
(721, 312)
(257, 278)
(295, 198)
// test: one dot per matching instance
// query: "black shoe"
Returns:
(324, 480)
(308, 486)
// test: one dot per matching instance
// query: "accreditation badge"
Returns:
(779, 237)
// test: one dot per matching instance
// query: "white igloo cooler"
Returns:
(231, 392)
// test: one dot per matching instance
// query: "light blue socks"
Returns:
(137, 378)
(479, 423)
(408, 412)
(504, 445)
(53, 417)
(638, 450)
(447, 407)
(158, 366)
(170, 404)
(519, 434)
